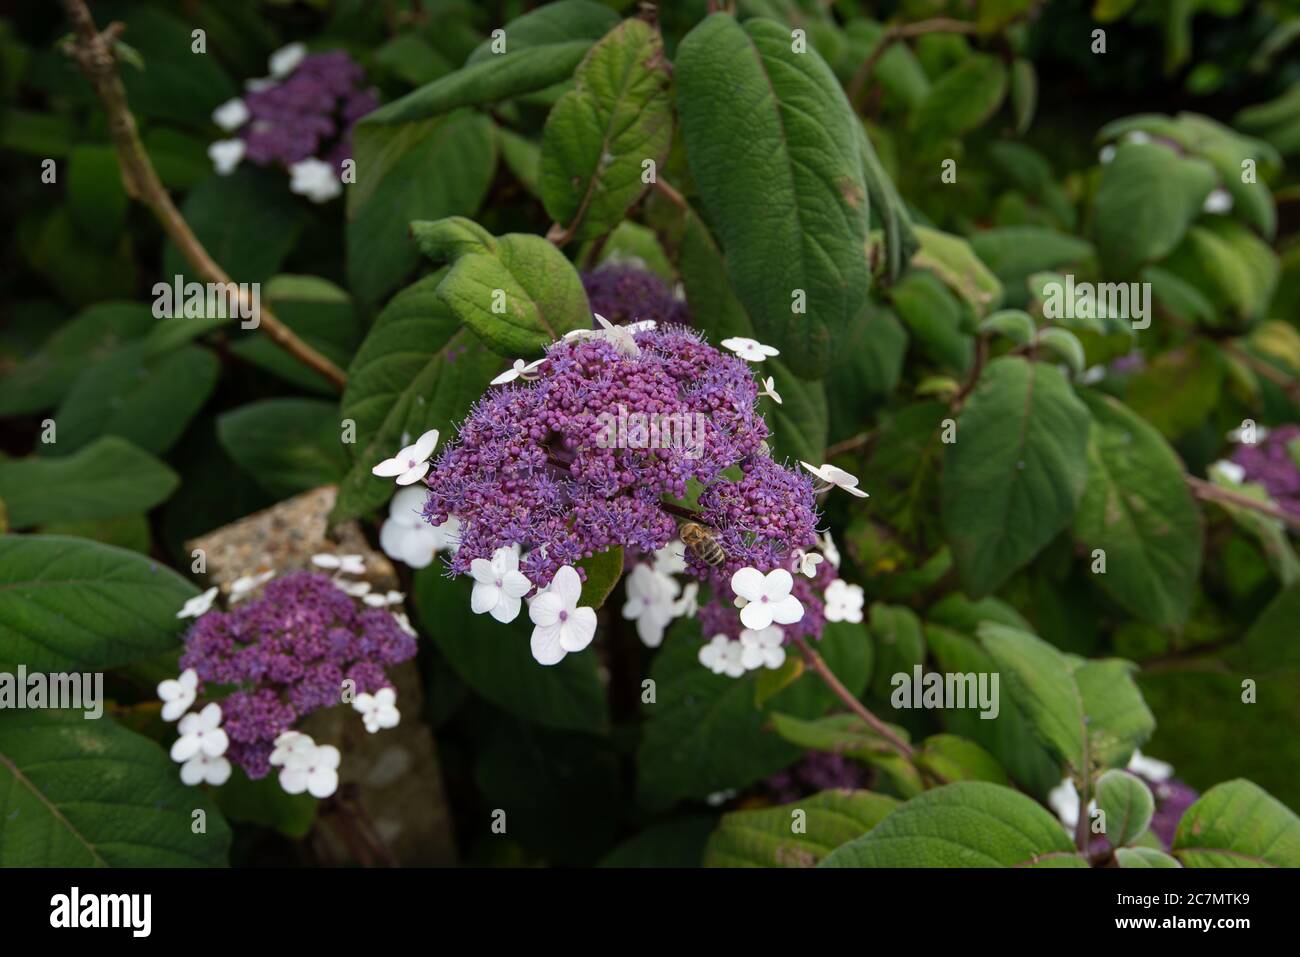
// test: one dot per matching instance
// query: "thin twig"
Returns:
(1209, 492)
(93, 53)
(818, 664)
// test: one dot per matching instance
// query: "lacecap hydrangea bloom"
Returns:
(624, 292)
(597, 446)
(280, 657)
(1271, 463)
(300, 118)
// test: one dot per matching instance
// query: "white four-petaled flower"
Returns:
(378, 710)
(499, 585)
(343, 564)
(520, 369)
(177, 694)
(201, 747)
(844, 601)
(651, 603)
(411, 463)
(769, 390)
(245, 585)
(406, 537)
(231, 115)
(767, 598)
(316, 179)
(762, 648)
(751, 350)
(722, 655)
(198, 605)
(313, 768)
(835, 476)
(286, 59)
(226, 155)
(807, 562)
(560, 625)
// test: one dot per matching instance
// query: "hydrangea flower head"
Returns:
(626, 293)
(288, 653)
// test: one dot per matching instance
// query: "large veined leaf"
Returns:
(799, 834)
(1147, 197)
(486, 81)
(424, 170)
(78, 793)
(1119, 720)
(1238, 824)
(800, 170)
(551, 23)
(70, 604)
(495, 660)
(517, 292)
(900, 239)
(1137, 508)
(106, 479)
(141, 394)
(1015, 473)
(952, 260)
(416, 370)
(287, 445)
(599, 134)
(966, 824)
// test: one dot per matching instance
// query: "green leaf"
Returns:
(1128, 805)
(80, 344)
(486, 81)
(798, 834)
(1137, 508)
(1066, 345)
(105, 479)
(952, 260)
(140, 394)
(266, 803)
(967, 824)
(1013, 477)
(247, 221)
(1144, 857)
(1238, 824)
(416, 370)
(957, 759)
(96, 197)
(801, 420)
(1147, 197)
(1014, 253)
(1178, 390)
(1015, 324)
(901, 243)
(900, 645)
(77, 793)
(960, 100)
(517, 292)
(1270, 643)
(603, 572)
(495, 660)
(287, 445)
(1024, 92)
(427, 170)
(935, 319)
(69, 604)
(599, 134)
(844, 734)
(801, 169)
(552, 23)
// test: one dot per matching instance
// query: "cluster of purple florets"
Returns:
(288, 654)
(1271, 464)
(624, 293)
(311, 112)
(545, 463)
(815, 771)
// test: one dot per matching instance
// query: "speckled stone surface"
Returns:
(392, 775)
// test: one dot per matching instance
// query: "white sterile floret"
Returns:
(689, 603)
(767, 597)
(198, 605)
(378, 710)
(499, 585)
(378, 599)
(620, 337)
(343, 564)
(286, 59)
(411, 463)
(1064, 800)
(520, 369)
(404, 623)
(1150, 768)
(406, 537)
(769, 390)
(287, 743)
(231, 115)
(313, 769)
(560, 625)
(651, 601)
(844, 601)
(177, 694)
(806, 562)
(353, 589)
(316, 179)
(671, 559)
(763, 648)
(245, 585)
(201, 746)
(1218, 201)
(723, 656)
(834, 476)
(1231, 471)
(827, 545)
(751, 350)
(226, 155)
